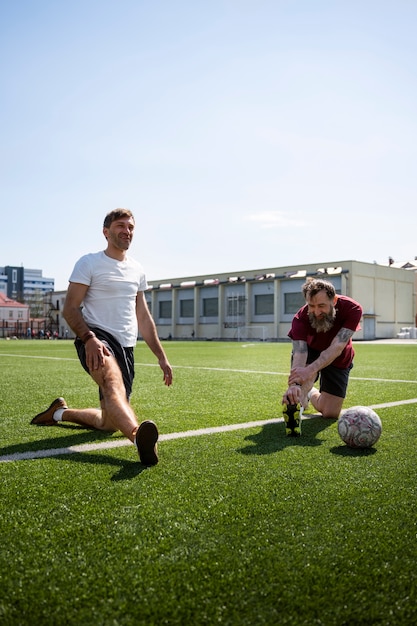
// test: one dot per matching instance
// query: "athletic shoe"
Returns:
(146, 442)
(292, 416)
(46, 418)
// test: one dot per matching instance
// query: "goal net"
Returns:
(252, 333)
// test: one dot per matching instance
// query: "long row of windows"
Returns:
(236, 306)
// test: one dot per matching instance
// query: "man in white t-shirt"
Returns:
(105, 306)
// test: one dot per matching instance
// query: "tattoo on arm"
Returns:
(299, 346)
(344, 335)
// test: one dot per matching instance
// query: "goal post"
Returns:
(252, 333)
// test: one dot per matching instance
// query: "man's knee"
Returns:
(330, 414)
(103, 422)
(330, 406)
(106, 422)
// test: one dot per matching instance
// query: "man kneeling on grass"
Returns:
(321, 334)
(109, 286)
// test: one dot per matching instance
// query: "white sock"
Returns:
(57, 416)
(310, 392)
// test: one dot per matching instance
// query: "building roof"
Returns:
(403, 265)
(8, 302)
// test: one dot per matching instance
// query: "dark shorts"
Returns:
(123, 356)
(333, 380)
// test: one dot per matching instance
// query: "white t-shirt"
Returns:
(110, 302)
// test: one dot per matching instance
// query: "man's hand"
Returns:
(293, 395)
(167, 369)
(300, 376)
(95, 352)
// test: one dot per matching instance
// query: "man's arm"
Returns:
(301, 374)
(72, 308)
(148, 331)
(294, 393)
(95, 350)
(299, 353)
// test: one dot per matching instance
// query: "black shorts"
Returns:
(123, 356)
(333, 380)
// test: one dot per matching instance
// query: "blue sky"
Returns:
(242, 133)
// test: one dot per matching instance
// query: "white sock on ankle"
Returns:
(57, 416)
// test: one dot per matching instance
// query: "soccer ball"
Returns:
(359, 427)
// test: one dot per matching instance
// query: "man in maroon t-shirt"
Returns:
(321, 334)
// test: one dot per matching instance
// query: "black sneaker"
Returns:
(146, 442)
(292, 416)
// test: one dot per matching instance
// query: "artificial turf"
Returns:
(237, 528)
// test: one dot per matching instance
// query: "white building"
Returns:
(53, 306)
(14, 317)
(260, 304)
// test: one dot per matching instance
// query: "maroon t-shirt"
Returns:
(348, 315)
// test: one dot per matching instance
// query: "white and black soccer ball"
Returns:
(359, 427)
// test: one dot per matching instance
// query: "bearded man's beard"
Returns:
(324, 323)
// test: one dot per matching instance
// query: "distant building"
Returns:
(54, 304)
(259, 304)
(14, 318)
(28, 287)
(24, 285)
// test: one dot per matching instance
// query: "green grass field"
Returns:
(242, 527)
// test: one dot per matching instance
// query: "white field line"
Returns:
(89, 447)
(211, 369)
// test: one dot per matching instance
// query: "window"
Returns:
(236, 305)
(187, 308)
(293, 302)
(210, 307)
(165, 308)
(264, 304)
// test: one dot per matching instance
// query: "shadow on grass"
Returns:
(272, 437)
(344, 450)
(58, 446)
(79, 435)
(127, 469)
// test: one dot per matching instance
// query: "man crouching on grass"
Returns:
(109, 286)
(321, 334)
